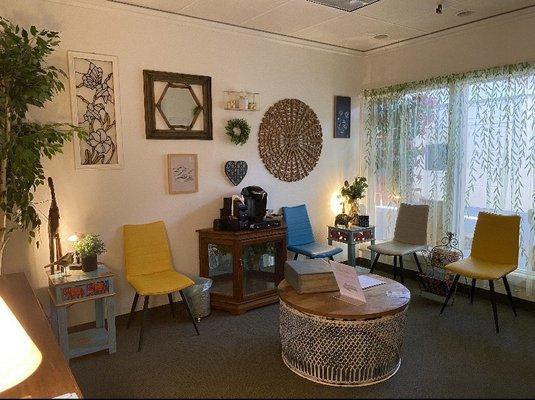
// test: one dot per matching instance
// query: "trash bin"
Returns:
(198, 296)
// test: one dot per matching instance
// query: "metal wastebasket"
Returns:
(198, 296)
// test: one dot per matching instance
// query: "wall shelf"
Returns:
(241, 100)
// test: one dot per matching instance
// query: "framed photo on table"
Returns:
(182, 173)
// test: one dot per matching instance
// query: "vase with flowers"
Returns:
(352, 193)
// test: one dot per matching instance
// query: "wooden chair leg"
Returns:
(395, 267)
(509, 295)
(132, 310)
(494, 309)
(171, 304)
(374, 263)
(296, 255)
(185, 300)
(451, 291)
(472, 291)
(401, 277)
(143, 318)
(417, 262)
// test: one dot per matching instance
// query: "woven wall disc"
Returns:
(290, 140)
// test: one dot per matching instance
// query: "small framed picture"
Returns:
(342, 117)
(182, 173)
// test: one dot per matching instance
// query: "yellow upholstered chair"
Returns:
(494, 254)
(149, 268)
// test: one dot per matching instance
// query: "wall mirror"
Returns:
(177, 106)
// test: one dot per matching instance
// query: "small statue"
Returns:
(342, 219)
(54, 242)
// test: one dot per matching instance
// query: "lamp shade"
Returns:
(19, 356)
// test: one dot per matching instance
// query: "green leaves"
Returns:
(89, 245)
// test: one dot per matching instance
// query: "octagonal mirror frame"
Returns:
(184, 81)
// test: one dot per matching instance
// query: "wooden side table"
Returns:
(77, 287)
(352, 236)
(246, 266)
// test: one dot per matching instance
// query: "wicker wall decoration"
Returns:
(290, 140)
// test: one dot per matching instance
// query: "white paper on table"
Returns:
(368, 282)
(67, 396)
(348, 283)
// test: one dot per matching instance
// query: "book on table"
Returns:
(310, 276)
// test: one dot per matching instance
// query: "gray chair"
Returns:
(410, 236)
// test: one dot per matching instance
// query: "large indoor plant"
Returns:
(26, 80)
(89, 247)
(353, 193)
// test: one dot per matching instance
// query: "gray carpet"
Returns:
(456, 355)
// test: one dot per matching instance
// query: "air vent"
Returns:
(345, 5)
(381, 36)
(465, 13)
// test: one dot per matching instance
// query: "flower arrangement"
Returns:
(356, 190)
(88, 248)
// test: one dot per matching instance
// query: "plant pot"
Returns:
(89, 263)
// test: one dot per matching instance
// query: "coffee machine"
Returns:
(255, 199)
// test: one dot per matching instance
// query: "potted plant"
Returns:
(26, 80)
(88, 248)
(353, 193)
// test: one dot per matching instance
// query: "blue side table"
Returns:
(77, 287)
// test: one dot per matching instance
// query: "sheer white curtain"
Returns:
(462, 144)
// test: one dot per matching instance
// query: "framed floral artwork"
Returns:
(95, 106)
(182, 173)
(342, 117)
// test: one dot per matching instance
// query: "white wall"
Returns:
(102, 201)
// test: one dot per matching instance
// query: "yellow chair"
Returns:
(494, 254)
(149, 268)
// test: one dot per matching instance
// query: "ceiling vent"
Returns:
(345, 5)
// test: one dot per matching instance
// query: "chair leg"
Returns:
(132, 310)
(494, 309)
(296, 255)
(472, 290)
(185, 300)
(417, 262)
(143, 318)
(395, 267)
(508, 289)
(331, 258)
(451, 291)
(401, 277)
(374, 263)
(171, 304)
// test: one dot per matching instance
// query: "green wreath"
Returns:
(238, 129)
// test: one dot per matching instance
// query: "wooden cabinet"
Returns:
(246, 266)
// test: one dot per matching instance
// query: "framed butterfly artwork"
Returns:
(95, 106)
(342, 117)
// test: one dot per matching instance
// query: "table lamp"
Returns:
(20, 357)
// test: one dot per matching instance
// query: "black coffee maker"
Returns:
(255, 198)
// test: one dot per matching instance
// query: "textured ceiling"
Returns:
(399, 19)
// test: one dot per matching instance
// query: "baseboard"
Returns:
(461, 287)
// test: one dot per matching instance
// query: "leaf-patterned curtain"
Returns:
(462, 143)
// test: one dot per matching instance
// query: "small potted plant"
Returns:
(88, 248)
(353, 193)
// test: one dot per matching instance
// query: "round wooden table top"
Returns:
(382, 300)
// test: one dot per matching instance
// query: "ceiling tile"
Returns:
(230, 11)
(293, 16)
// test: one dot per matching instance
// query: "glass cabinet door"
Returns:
(259, 267)
(220, 268)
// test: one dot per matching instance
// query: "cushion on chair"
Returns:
(479, 269)
(146, 249)
(315, 250)
(159, 283)
(411, 224)
(395, 248)
(299, 230)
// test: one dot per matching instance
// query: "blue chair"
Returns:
(300, 237)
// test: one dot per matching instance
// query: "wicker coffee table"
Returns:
(333, 342)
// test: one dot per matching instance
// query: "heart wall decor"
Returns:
(236, 171)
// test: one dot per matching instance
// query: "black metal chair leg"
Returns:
(472, 290)
(451, 291)
(185, 300)
(331, 258)
(374, 263)
(132, 310)
(508, 290)
(395, 267)
(171, 304)
(296, 255)
(494, 309)
(401, 277)
(143, 318)
(418, 263)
